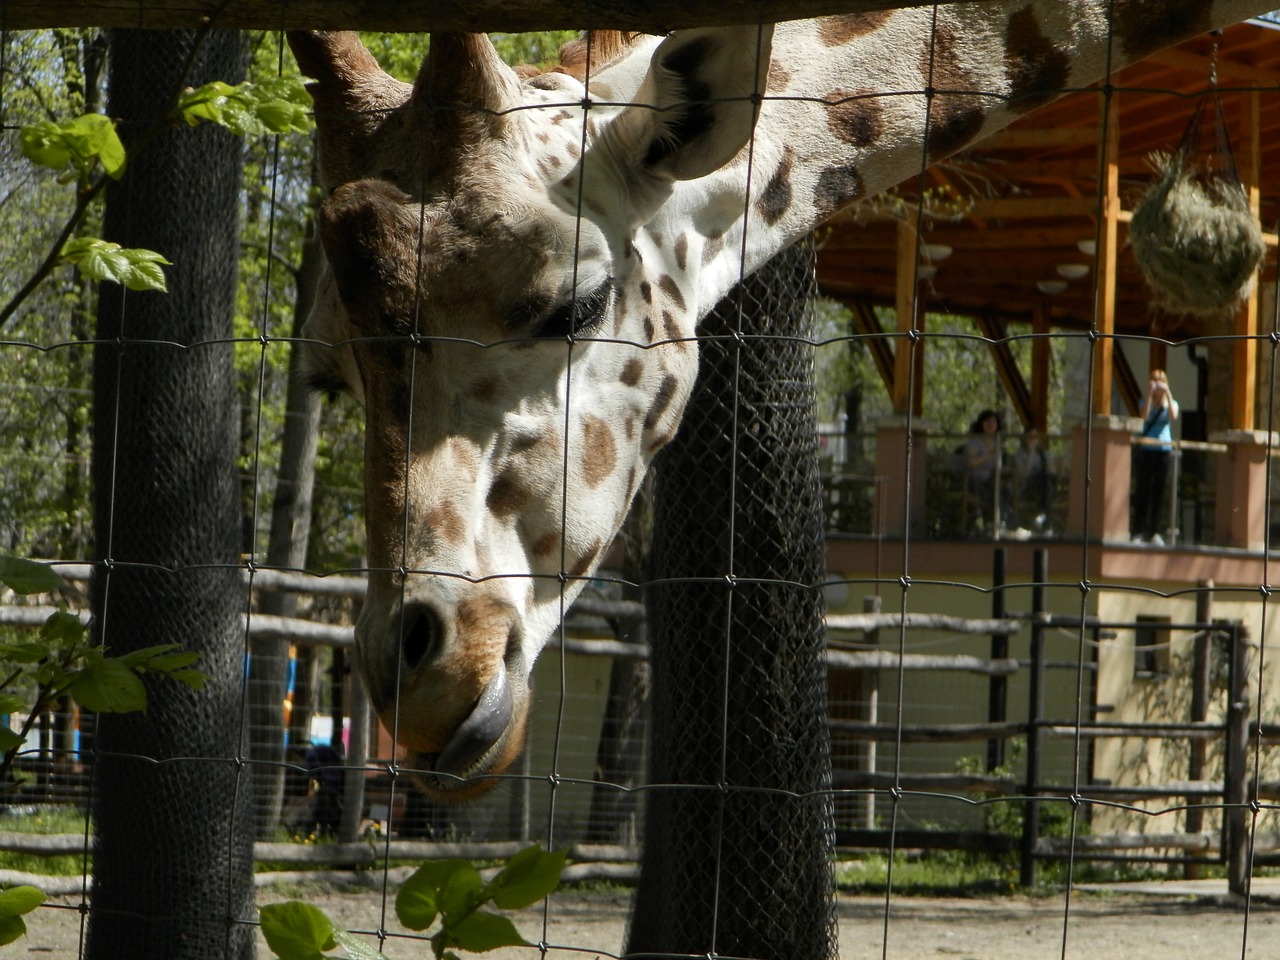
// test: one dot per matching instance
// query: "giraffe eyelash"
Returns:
(579, 316)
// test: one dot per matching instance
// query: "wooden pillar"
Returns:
(1098, 501)
(897, 450)
(1104, 314)
(1040, 367)
(906, 349)
(1242, 488)
(1244, 355)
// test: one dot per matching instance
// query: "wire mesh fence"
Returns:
(807, 651)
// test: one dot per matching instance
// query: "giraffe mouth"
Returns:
(485, 743)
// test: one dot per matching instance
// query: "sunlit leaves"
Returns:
(277, 105)
(14, 902)
(450, 892)
(134, 269)
(79, 144)
(297, 930)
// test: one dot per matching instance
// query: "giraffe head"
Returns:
(506, 301)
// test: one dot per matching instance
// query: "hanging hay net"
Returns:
(1193, 233)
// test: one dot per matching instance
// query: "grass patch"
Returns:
(43, 820)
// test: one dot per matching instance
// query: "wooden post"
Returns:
(871, 604)
(1200, 668)
(998, 685)
(905, 303)
(1244, 357)
(1040, 357)
(1035, 700)
(1104, 317)
(1235, 783)
(357, 759)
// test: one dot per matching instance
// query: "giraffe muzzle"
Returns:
(481, 732)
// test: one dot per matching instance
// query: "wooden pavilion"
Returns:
(1031, 236)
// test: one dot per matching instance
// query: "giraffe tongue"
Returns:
(487, 723)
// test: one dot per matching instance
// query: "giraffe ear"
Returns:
(698, 104)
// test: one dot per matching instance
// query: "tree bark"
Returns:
(739, 830)
(173, 835)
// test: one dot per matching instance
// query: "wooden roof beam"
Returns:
(649, 16)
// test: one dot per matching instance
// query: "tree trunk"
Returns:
(173, 840)
(286, 548)
(738, 853)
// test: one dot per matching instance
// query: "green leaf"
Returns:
(109, 686)
(134, 268)
(27, 576)
(356, 947)
(30, 652)
(462, 888)
(528, 877)
(12, 703)
(170, 662)
(65, 629)
(16, 901)
(194, 679)
(11, 928)
(9, 741)
(297, 930)
(483, 931)
(417, 898)
(138, 658)
(78, 143)
(249, 109)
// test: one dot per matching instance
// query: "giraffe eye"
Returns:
(579, 316)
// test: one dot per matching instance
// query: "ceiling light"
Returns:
(1072, 271)
(1088, 247)
(1050, 287)
(934, 252)
(926, 271)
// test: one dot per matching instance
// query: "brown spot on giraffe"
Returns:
(715, 243)
(956, 114)
(631, 372)
(599, 452)
(837, 187)
(648, 329)
(855, 116)
(681, 251)
(1037, 69)
(484, 390)
(629, 428)
(1143, 28)
(646, 291)
(661, 400)
(507, 497)
(775, 199)
(585, 562)
(671, 329)
(838, 30)
(779, 77)
(545, 544)
(445, 521)
(672, 290)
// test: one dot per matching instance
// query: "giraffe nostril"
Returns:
(421, 634)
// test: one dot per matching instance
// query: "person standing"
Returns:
(1151, 461)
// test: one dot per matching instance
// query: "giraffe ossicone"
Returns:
(517, 268)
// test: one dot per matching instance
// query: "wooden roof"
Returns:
(1029, 195)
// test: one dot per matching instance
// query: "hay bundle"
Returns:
(1195, 238)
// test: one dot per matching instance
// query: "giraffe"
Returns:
(517, 265)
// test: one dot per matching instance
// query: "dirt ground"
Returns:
(1196, 924)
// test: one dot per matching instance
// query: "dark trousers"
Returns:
(1152, 469)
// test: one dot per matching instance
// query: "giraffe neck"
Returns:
(847, 114)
